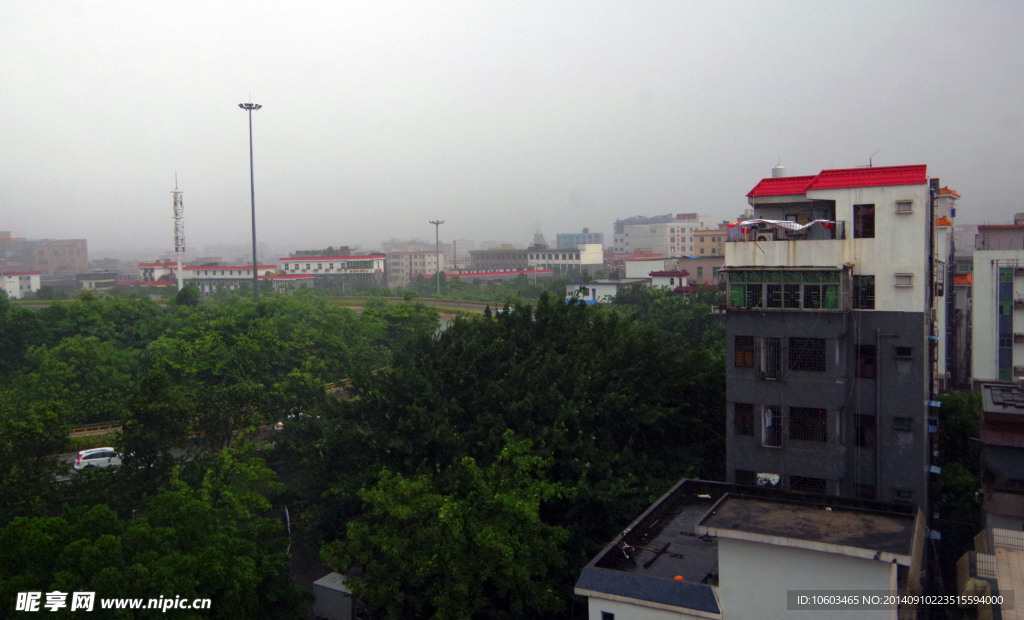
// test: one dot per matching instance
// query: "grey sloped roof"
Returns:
(655, 589)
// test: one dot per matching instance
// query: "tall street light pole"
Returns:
(437, 254)
(249, 107)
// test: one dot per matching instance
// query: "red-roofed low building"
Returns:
(669, 280)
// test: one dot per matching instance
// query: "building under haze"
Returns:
(667, 235)
(50, 257)
(569, 241)
(402, 267)
(836, 308)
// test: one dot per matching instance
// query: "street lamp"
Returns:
(249, 107)
(437, 255)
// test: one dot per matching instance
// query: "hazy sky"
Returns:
(502, 118)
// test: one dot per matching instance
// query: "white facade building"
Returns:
(403, 266)
(17, 283)
(589, 256)
(673, 238)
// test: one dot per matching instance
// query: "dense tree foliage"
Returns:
(617, 410)
(463, 472)
(201, 540)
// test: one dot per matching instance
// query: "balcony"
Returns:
(766, 245)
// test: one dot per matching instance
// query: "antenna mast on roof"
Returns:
(179, 227)
(872, 157)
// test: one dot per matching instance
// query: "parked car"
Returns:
(97, 457)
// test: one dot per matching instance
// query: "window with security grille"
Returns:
(771, 426)
(744, 351)
(770, 356)
(863, 292)
(867, 361)
(808, 424)
(745, 476)
(865, 431)
(774, 295)
(791, 296)
(865, 491)
(806, 484)
(743, 419)
(807, 354)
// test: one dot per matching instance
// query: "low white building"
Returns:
(586, 256)
(17, 283)
(604, 291)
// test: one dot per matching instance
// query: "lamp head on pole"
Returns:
(250, 106)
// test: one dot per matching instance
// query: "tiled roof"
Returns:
(961, 279)
(943, 221)
(946, 191)
(781, 186)
(870, 177)
(842, 178)
(669, 274)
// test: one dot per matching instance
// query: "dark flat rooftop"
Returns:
(671, 538)
(785, 523)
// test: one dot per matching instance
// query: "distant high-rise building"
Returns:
(568, 241)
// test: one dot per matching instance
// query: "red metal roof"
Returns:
(781, 186)
(842, 178)
(870, 177)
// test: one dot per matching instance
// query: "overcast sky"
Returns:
(503, 118)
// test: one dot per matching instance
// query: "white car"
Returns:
(97, 457)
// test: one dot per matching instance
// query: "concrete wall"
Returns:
(900, 389)
(755, 578)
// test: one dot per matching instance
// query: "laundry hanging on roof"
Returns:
(747, 225)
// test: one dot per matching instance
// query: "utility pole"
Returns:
(437, 255)
(249, 107)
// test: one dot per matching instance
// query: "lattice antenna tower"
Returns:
(179, 227)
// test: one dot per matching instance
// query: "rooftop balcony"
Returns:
(764, 245)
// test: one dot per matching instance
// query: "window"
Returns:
(863, 292)
(904, 495)
(753, 295)
(863, 221)
(790, 295)
(904, 351)
(774, 297)
(904, 280)
(865, 431)
(807, 354)
(770, 357)
(806, 484)
(903, 424)
(743, 419)
(904, 206)
(745, 476)
(867, 361)
(808, 424)
(771, 426)
(864, 491)
(607, 615)
(744, 350)
(700, 272)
